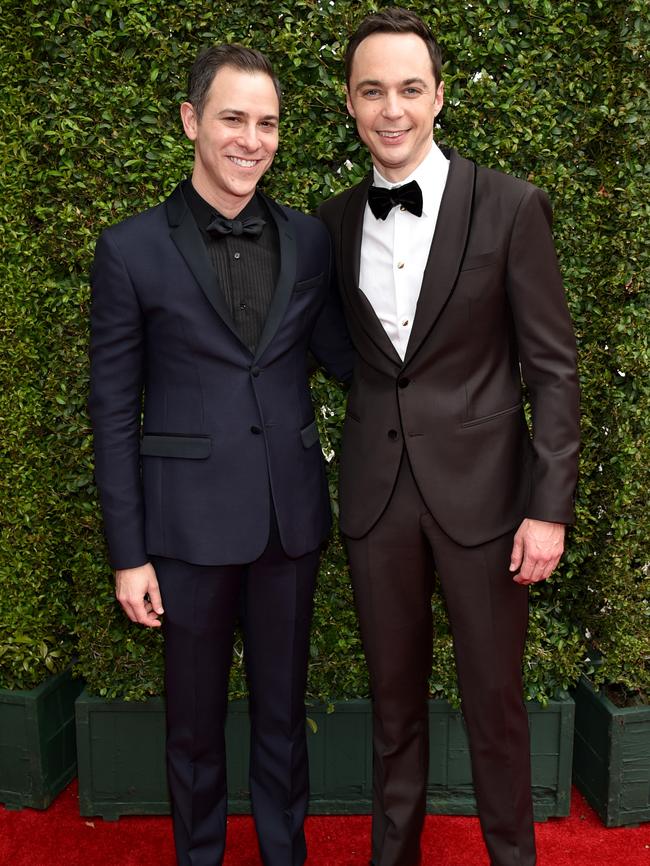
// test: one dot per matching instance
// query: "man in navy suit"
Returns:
(208, 463)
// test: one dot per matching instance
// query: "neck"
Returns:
(227, 205)
(395, 175)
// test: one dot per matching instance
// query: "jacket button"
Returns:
(393, 434)
(255, 371)
(404, 382)
(255, 429)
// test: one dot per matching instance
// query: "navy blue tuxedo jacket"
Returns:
(195, 436)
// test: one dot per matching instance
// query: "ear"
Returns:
(439, 98)
(348, 102)
(190, 120)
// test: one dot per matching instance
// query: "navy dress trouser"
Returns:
(273, 596)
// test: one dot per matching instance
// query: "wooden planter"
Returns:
(612, 757)
(37, 742)
(122, 760)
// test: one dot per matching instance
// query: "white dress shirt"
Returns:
(394, 251)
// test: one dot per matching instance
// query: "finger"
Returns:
(137, 612)
(156, 599)
(537, 569)
(517, 553)
(128, 609)
(547, 568)
(528, 571)
(144, 614)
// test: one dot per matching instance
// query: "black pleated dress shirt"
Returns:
(247, 268)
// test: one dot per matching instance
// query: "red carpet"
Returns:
(59, 837)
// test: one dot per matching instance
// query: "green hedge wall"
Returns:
(550, 91)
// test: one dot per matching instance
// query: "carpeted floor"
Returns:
(60, 837)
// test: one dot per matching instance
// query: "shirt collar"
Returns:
(431, 175)
(204, 213)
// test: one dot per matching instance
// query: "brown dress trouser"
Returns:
(392, 571)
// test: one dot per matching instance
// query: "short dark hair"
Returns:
(211, 60)
(393, 19)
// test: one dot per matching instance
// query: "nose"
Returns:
(392, 107)
(248, 138)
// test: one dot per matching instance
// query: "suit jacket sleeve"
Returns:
(116, 383)
(547, 353)
(330, 342)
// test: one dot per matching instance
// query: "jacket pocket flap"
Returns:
(511, 410)
(309, 435)
(311, 283)
(482, 260)
(188, 447)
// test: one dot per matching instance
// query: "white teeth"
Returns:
(391, 133)
(245, 163)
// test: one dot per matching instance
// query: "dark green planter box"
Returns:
(122, 765)
(341, 760)
(612, 757)
(38, 757)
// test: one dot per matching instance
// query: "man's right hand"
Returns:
(137, 591)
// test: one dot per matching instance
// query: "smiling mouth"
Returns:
(391, 133)
(244, 163)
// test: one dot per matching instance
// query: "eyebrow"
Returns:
(370, 82)
(239, 113)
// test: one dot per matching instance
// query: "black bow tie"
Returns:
(382, 200)
(220, 227)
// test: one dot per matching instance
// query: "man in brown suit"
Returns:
(453, 295)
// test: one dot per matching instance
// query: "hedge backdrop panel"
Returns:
(550, 91)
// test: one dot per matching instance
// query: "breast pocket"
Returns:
(480, 260)
(309, 435)
(308, 285)
(481, 276)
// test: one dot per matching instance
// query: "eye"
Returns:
(412, 91)
(370, 93)
(232, 119)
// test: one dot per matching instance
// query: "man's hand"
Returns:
(137, 591)
(536, 551)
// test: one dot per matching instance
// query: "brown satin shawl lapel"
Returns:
(351, 232)
(447, 249)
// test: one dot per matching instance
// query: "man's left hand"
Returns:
(536, 550)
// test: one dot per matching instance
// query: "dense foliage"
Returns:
(550, 91)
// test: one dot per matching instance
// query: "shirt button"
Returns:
(405, 322)
(402, 208)
(237, 255)
(255, 429)
(400, 265)
(393, 434)
(242, 306)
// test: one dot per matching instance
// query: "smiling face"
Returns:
(394, 97)
(235, 139)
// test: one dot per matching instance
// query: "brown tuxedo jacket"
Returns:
(491, 318)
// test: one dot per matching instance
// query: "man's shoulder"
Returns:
(139, 223)
(168, 213)
(302, 222)
(494, 181)
(338, 202)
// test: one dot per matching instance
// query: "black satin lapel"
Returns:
(351, 236)
(447, 249)
(189, 242)
(286, 278)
